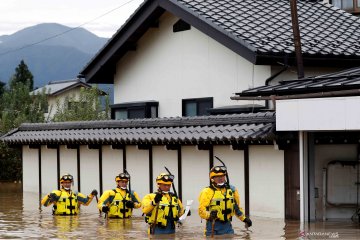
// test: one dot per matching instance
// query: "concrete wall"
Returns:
(187, 64)
(266, 182)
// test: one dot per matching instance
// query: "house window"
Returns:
(352, 6)
(132, 110)
(196, 106)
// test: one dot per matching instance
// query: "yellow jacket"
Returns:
(207, 194)
(61, 207)
(148, 204)
(107, 197)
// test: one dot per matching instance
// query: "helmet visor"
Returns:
(219, 169)
(167, 178)
(67, 177)
(122, 176)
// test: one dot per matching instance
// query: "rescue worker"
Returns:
(66, 201)
(162, 208)
(218, 203)
(119, 202)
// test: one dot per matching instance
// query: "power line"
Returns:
(65, 32)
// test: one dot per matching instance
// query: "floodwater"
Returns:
(21, 218)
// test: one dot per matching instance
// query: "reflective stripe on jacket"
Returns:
(118, 205)
(206, 203)
(67, 204)
(170, 208)
(223, 203)
(116, 199)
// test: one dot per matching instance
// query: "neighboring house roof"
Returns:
(54, 88)
(259, 31)
(341, 83)
(180, 130)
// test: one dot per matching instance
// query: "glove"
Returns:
(94, 192)
(129, 204)
(213, 215)
(105, 209)
(53, 197)
(158, 197)
(248, 222)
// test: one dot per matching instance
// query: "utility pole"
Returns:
(297, 39)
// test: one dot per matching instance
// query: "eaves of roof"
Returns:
(259, 31)
(220, 129)
(73, 86)
(341, 83)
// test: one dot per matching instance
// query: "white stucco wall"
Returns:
(49, 169)
(234, 161)
(112, 165)
(266, 172)
(30, 169)
(336, 113)
(68, 163)
(137, 164)
(291, 73)
(89, 169)
(195, 170)
(165, 158)
(187, 64)
(266, 179)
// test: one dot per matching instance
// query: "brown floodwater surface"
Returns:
(22, 218)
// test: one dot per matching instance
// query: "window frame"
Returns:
(146, 106)
(355, 7)
(197, 101)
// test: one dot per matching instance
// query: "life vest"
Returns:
(165, 206)
(117, 206)
(223, 204)
(67, 204)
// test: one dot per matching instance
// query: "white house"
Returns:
(57, 91)
(174, 65)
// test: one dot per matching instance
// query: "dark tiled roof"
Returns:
(185, 130)
(260, 31)
(338, 81)
(265, 26)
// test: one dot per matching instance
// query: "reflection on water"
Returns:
(20, 217)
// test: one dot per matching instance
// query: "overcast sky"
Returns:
(18, 14)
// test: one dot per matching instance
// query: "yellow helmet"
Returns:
(66, 177)
(217, 171)
(165, 178)
(122, 176)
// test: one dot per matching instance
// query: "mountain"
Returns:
(51, 51)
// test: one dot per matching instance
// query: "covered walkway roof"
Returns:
(219, 129)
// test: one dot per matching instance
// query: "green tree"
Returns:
(86, 107)
(2, 88)
(17, 106)
(22, 75)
